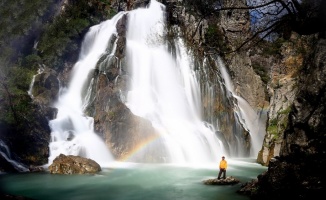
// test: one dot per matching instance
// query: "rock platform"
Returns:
(227, 181)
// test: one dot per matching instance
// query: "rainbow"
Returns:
(139, 147)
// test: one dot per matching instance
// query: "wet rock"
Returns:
(73, 165)
(33, 168)
(46, 87)
(228, 181)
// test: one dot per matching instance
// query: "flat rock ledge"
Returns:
(73, 165)
(228, 181)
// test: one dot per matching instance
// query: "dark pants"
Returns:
(220, 173)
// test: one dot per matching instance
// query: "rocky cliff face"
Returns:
(235, 24)
(298, 172)
(121, 130)
(282, 90)
(229, 28)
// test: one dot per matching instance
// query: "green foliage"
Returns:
(286, 111)
(277, 126)
(19, 21)
(215, 38)
(17, 113)
(262, 72)
(32, 61)
(273, 130)
(272, 48)
(62, 38)
(20, 78)
(22, 23)
(273, 122)
(58, 40)
(112, 13)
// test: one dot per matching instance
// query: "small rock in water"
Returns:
(33, 168)
(228, 181)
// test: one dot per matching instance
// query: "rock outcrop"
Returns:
(73, 165)
(235, 25)
(298, 173)
(282, 90)
(45, 89)
(227, 181)
(121, 130)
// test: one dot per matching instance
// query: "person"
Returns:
(223, 166)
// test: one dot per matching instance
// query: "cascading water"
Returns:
(72, 131)
(5, 153)
(165, 91)
(30, 90)
(218, 109)
(249, 119)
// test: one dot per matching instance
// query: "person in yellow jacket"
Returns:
(223, 166)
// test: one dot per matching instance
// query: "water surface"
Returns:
(134, 181)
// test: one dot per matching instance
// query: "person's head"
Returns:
(223, 157)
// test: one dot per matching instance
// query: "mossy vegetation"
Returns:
(262, 72)
(277, 126)
(21, 22)
(36, 33)
(215, 38)
(285, 111)
(272, 48)
(62, 38)
(272, 128)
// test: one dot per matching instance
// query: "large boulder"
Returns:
(73, 165)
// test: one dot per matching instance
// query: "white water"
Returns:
(249, 119)
(165, 90)
(30, 90)
(5, 153)
(72, 131)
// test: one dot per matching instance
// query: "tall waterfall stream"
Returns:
(164, 90)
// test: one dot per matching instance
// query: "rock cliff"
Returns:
(298, 172)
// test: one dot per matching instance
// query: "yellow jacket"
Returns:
(223, 164)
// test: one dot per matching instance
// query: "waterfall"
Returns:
(72, 131)
(219, 109)
(249, 119)
(5, 153)
(164, 89)
(30, 90)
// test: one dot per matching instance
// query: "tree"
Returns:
(270, 17)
